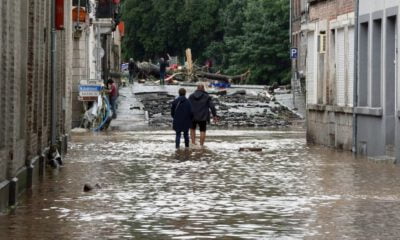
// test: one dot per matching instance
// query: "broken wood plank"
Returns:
(250, 149)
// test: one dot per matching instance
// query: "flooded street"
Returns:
(150, 191)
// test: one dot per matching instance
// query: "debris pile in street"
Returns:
(239, 109)
(245, 110)
(158, 107)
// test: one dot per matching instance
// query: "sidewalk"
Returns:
(130, 113)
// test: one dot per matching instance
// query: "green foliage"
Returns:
(239, 35)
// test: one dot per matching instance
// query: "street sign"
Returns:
(294, 53)
(124, 66)
(89, 90)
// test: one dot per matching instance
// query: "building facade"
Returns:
(298, 42)
(96, 47)
(377, 110)
(26, 106)
(328, 64)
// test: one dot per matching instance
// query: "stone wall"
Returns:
(25, 90)
(330, 127)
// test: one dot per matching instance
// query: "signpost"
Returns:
(294, 52)
(89, 90)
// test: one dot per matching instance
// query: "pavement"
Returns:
(130, 113)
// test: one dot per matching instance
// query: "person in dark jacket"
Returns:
(201, 106)
(163, 69)
(181, 112)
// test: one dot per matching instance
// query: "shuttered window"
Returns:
(311, 65)
(340, 68)
(350, 70)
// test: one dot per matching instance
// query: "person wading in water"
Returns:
(181, 112)
(201, 106)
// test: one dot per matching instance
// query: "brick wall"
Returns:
(330, 9)
(25, 87)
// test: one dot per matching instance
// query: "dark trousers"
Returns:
(113, 103)
(178, 138)
(162, 78)
(132, 76)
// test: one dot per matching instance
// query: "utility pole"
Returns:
(293, 61)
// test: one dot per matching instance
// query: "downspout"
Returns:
(53, 76)
(355, 82)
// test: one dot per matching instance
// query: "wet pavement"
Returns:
(150, 191)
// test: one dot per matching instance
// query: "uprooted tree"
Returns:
(147, 70)
(239, 35)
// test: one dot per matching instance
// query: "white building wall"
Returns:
(340, 67)
(350, 71)
(343, 64)
(311, 68)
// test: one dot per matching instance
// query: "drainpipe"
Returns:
(355, 82)
(53, 76)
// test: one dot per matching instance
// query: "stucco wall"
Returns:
(379, 128)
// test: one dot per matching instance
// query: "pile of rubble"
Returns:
(158, 107)
(243, 110)
(235, 110)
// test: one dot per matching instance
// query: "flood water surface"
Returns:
(150, 191)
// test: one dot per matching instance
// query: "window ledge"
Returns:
(378, 112)
(329, 108)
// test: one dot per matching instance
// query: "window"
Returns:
(363, 64)
(311, 83)
(322, 42)
(376, 77)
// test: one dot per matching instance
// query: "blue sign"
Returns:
(124, 67)
(294, 52)
(89, 88)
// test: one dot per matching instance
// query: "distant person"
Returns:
(113, 95)
(208, 65)
(201, 106)
(181, 112)
(163, 69)
(132, 67)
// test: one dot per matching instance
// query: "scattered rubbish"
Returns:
(54, 158)
(149, 72)
(239, 109)
(98, 116)
(88, 187)
(250, 149)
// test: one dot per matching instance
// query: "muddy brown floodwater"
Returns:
(149, 191)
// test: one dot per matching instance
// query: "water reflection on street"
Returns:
(150, 191)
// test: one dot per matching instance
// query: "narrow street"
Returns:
(150, 191)
(300, 100)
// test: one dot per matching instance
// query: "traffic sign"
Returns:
(294, 52)
(89, 89)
